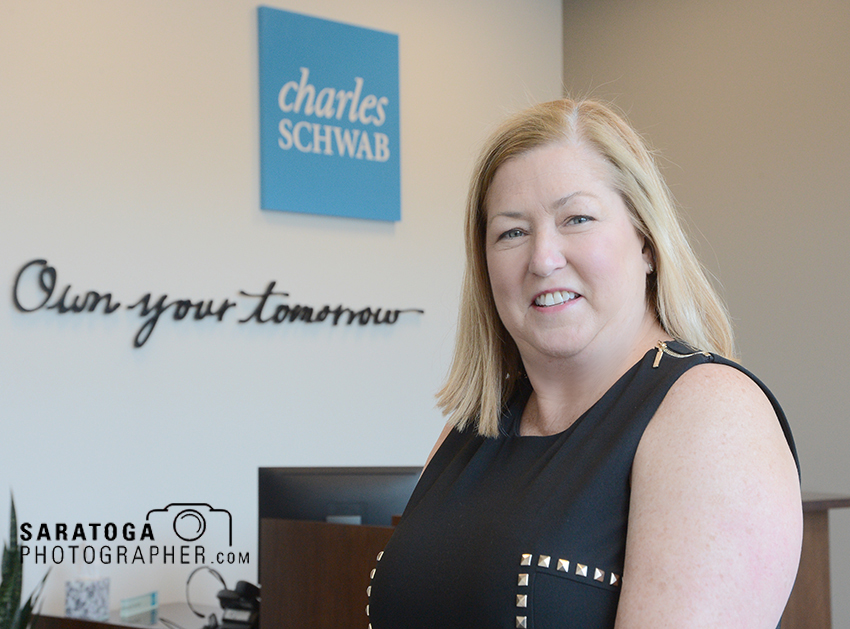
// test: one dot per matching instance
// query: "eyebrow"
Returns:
(564, 200)
(556, 205)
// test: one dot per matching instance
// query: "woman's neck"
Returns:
(563, 389)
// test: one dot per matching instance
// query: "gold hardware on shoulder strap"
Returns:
(662, 349)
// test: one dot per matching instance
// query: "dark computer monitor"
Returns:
(345, 495)
(342, 495)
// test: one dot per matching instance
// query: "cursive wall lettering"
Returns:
(36, 284)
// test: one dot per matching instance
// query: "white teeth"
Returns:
(554, 298)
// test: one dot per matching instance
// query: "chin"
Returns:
(557, 349)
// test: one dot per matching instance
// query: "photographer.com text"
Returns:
(130, 555)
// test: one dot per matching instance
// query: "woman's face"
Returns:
(566, 265)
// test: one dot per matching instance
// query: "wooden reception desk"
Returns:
(314, 575)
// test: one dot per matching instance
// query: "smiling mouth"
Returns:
(555, 298)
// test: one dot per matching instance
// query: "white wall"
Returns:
(129, 160)
(747, 102)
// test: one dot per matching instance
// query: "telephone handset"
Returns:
(241, 606)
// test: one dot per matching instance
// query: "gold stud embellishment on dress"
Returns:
(369, 591)
(581, 570)
(563, 565)
(543, 562)
(523, 579)
(614, 580)
(598, 575)
(367, 610)
(526, 560)
(521, 622)
(522, 600)
(372, 574)
(380, 554)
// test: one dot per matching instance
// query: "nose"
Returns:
(547, 255)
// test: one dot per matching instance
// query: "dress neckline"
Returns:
(512, 417)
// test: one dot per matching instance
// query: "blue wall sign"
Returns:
(329, 117)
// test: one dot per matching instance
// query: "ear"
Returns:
(648, 257)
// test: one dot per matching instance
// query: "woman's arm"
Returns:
(715, 522)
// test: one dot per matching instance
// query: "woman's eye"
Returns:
(511, 233)
(578, 220)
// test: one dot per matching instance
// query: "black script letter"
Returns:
(108, 308)
(157, 309)
(46, 282)
(182, 308)
(280, 313)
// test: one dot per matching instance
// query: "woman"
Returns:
(605, 464)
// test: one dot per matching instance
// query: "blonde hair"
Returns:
(486, 365)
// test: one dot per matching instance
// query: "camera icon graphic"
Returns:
(190, 519)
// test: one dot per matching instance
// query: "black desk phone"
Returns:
(241, 606)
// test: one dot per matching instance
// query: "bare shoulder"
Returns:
(715, 522)
(716, 402)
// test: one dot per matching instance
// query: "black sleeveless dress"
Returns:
(527, 531)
